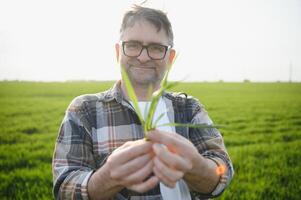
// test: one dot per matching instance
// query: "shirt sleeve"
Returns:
(210, 144)
(73, 161)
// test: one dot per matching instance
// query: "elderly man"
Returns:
(101, 152)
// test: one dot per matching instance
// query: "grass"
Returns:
(263, 134)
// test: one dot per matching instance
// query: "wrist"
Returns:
(101, 183)
(200, 164)
(202, 177)
(105, 175)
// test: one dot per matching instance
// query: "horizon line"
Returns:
(182, 81)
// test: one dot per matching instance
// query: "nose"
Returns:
(143, 56)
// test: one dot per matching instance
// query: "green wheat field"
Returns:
(262, 134)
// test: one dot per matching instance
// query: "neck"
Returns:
(142, 91)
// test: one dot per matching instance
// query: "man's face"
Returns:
(143, 70)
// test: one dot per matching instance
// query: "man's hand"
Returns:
(129, 166)
(175, 156)
(132, 164)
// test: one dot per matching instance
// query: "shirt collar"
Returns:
(115, 93)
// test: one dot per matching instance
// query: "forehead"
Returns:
(145, 32)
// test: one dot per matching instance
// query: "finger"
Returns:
(129, 152)
(169, 175)
(145, 186)
(173, 140)
(133, 165)
(171, 159)
(163, 179)
(140, 175)
(163, 136)
(128, 143)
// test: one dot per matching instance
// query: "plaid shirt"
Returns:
(95, 125)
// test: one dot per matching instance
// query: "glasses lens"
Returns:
(132, 48)
(156, 51)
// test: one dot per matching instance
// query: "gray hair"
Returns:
(156, 17)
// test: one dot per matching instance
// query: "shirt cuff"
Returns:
(84, 186)
(223, 172)
(77, 188)
(221, 185)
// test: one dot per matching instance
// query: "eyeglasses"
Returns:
(154, 51)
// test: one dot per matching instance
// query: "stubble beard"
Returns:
(144, 76)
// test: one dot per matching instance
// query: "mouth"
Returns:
(143, 67)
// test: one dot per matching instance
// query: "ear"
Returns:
(172, 55)
(117, 50)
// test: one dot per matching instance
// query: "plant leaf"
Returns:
(132, 95)
(146, 110)
(156, 97)
(164, 81)
(191, 125)
(157, 120)
(154, 102)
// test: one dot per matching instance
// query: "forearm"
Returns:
(203, 177)
(101, 186)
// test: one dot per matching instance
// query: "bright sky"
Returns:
(228, 40)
